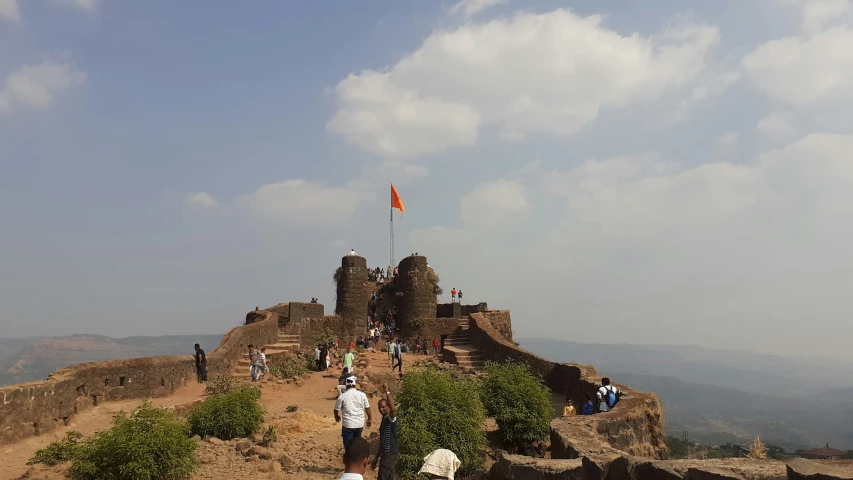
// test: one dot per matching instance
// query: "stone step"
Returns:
(470, 356)
(453, 338)
(283, 346)
(457, 342)
(463, 363)
(288, 338)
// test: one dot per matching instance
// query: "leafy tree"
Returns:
(59, 451)
(519, 402)
(677, 447)
(439, 410)
(150, 444)
(237, 413)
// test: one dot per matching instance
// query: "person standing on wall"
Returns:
(459, 294)
(200, 364)
(453, 295)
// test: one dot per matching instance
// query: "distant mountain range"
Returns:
(728, 395)
(34, 358)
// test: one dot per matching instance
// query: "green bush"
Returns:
(360, 349)
(149, 444)
(519, 402)
(221, 384)
(288, 367)
(237, 413)
(59, 451)
(439, 410)
(292, 408)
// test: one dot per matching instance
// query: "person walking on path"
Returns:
(253, 359)
(351, 407)
(435, 345)
(356, 457)
(200, 364)
(349, 359)
(263, 368)
(389, 345)
(387, 452)
(324, 355)
(342, 381)
(317, 357)
(398, 356)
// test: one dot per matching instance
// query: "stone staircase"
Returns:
(458, 349)
(285, 344)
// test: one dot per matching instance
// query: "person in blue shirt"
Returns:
(588, 408)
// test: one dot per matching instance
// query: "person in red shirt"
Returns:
(435, 346)
(352, 345)
(453, 295)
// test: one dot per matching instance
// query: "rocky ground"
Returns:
(309, 442)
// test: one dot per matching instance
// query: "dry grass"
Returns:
(301, 421)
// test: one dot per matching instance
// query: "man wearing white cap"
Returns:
(440, 463)
(352, 405)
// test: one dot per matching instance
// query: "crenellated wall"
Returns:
(635, 426)
(33, 408)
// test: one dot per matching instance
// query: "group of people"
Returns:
(258, 362)
(607, 397)
(439, 464)
(379, 275)
(454, 294)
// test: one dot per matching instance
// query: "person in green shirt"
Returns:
(349, 358)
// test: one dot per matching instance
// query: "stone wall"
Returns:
(500, 319)
(417, 299)
(308, 328)
(635, 426)
(431, 328)
(352, 288)
(448, 310)
(33, 408)
(301, 311)
(479, 307)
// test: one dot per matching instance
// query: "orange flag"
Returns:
(395, 200)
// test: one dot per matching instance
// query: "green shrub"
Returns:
(519, 402)
(270, 435)
(237, 413)
(292, 408)
(149, 444)
(59, 451)
(359, 349)
(221, 384)
(288, 367)
(439, 410)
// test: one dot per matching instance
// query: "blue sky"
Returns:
(676, 173)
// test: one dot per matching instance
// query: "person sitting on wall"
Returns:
(608, 395)
(569, 409)
(588, 407)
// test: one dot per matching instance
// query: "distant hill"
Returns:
(36, 358)
(725, 395)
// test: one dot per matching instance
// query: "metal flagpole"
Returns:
(392, 237)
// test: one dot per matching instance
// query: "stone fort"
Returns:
(625, 443)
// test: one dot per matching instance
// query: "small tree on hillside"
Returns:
(519, 402)
(440, 410)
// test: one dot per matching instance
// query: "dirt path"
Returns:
(309, 442)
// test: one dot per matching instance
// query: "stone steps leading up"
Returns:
(285, 345)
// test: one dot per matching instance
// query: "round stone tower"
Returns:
(352, 290)
(418, 298)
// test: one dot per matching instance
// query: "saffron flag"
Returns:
(395, 200)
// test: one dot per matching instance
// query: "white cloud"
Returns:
(728, 139)
(469, 8)
(35, 85)
(531, 73)
(778, 126)
(818, 13)
(804, 70)
(501, 204)
(9, 10)
(309, 203)
(201, 199)
(709, 86)
(402, 173)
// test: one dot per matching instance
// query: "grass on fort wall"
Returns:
(440, 410)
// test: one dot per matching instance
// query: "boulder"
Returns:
(714, 473)
(270, 467)
(243, 444)
(802, 469)
(261, 452)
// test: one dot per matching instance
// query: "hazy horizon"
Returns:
(678, 173)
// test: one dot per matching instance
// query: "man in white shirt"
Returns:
(352, 405)
(608, 395)
(356, 456)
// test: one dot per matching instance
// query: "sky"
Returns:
(674, 172)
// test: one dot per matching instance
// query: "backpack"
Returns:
(612, 397)
(253, 356)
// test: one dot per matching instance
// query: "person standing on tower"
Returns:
(453, 295)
